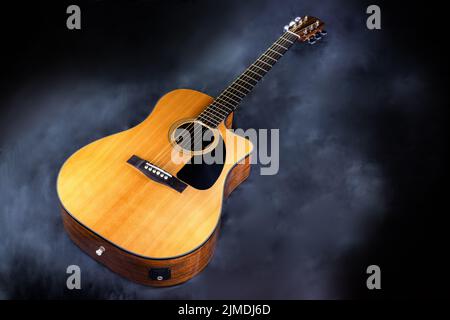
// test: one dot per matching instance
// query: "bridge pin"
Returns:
(166, 177)
(157, 173)
(154, 171)
(146, 167)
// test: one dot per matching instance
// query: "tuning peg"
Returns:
(323, 33)
(317, 36)
(291, 24)
(286, 28)
(298, 20)
(311, 40)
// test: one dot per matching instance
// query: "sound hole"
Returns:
(193, 136)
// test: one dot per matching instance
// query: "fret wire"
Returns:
(240, 98)
(252, 69)
(256, 80)
(287, 39)
(269, 57)
(210, 123)
(275, 52)
(250, 84)
(211, 115)
(281, 46)
(286, 36)
(247, 81)
(219, 110)
(219, 105)
(229, 100)
(223, 93)
(238, 91)
(285, 43)
(265, 63)
(206, 120)
(255, 73)
(278, 50)
(273, 56)
(224, 106)
(267, 60)
(292, 33)
(231, 88)
(260, 68)
(242, 87)
(232, 106)
(214, 121)
(282, 38)
(214, 110)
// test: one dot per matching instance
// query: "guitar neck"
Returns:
(230, 98)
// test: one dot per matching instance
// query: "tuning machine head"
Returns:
(312, 40)
(316, 37)
(298, 21)
(306, 28)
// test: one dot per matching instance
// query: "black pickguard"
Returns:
(201, 175)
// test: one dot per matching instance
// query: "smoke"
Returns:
(282, 236)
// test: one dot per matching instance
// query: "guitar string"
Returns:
(215, 109)
(211, 116)
(211, 113)
(205, 111)
(251, 69)
(214, 113)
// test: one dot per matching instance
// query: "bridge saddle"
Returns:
(157, 174)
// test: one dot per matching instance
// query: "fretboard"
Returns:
(230, 98)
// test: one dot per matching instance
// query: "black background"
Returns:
(363, 142)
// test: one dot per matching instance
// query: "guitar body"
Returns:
(137, 227)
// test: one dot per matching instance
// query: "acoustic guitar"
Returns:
(145, 202)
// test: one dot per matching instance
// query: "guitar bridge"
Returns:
(157, 174)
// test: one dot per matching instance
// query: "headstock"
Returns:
(307, 29)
